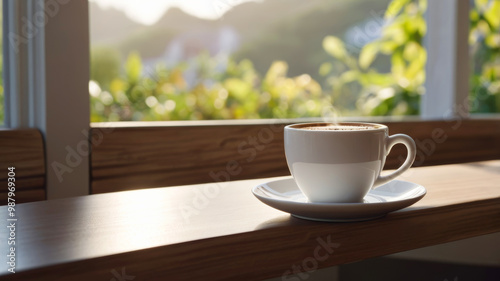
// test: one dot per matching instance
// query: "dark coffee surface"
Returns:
(338, 128)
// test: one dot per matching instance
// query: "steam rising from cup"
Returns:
(330, 114)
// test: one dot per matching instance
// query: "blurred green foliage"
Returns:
(237, 92)
(398, 92)
(484, 40)
(358, 86)
(105, 65)
(354, 83)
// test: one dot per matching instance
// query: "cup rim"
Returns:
(374, 127)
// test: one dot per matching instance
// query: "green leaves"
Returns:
(105, 64)
(385, 92)
(325, 68)
(239, 92)
(356, 85)
(335, 47)
(493, 40)
(368, 54)
(238, 88)
(484, 39)
(133, 67)
(492, 14)
(374, 78)
(395, 8)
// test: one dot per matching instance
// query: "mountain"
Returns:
(109, 26)
(298, 38)
(290, 30)
(179, 21)
(249, 20)
(252, 18)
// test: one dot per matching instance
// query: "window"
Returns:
(247, 59)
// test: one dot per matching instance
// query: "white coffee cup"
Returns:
(340, 163)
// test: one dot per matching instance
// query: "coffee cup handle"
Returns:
(412, 152)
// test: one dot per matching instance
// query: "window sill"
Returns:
(131, 155)
(372, 119)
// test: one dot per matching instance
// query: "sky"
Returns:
(149, 11)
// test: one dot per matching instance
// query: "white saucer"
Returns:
(286, 196)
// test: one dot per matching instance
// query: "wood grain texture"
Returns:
(125, 158)
(24, 150)
(25, 196)
(232, 235)
(131, 158)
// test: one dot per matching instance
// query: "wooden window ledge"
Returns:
(233, 236)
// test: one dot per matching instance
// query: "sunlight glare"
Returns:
(149, 11)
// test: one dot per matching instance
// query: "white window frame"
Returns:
(46, 82)
(46, 51)
(447, 68)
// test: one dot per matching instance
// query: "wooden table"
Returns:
(177, 233)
